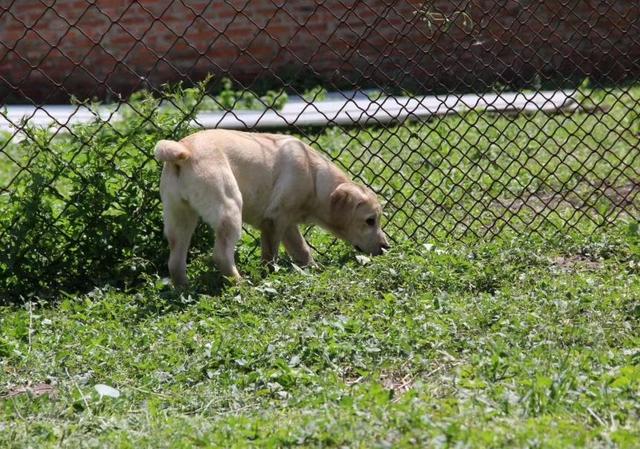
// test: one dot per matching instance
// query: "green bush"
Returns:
(86, 210)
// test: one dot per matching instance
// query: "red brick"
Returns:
(554, 33)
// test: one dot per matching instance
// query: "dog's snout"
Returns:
(384, 243)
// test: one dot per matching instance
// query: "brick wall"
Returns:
(109, 48)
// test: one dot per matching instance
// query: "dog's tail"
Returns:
(171, 151)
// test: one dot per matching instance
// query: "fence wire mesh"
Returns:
(469, 118)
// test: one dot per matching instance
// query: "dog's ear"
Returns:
(345, 198)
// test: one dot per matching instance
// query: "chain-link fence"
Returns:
(469, 118)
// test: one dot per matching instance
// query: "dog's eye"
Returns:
(371, 221)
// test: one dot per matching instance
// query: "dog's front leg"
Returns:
(270, 238)
(297, 247)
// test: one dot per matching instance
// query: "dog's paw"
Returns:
(234, 279)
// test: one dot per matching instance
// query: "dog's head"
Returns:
(355, 216)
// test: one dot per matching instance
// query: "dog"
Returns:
(272, 182)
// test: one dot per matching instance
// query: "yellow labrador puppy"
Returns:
(272, 182)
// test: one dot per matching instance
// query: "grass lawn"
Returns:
(527, 340)
(520, 343)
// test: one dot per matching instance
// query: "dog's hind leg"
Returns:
(180, 221)
(227, 228)
(297, 247)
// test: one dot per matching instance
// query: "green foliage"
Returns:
(86, 211)
(529, 340)
(593, 100)
(227, 99)
(517, 343)
(584, 94)
(633, 119)
(375, 95)
(317, 93)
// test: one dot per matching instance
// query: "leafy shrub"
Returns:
(228, 99)
(86, 208)
(317, 93)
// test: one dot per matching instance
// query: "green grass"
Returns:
(472, 176)
(481, 174)
(526, 340)
(518, 343)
